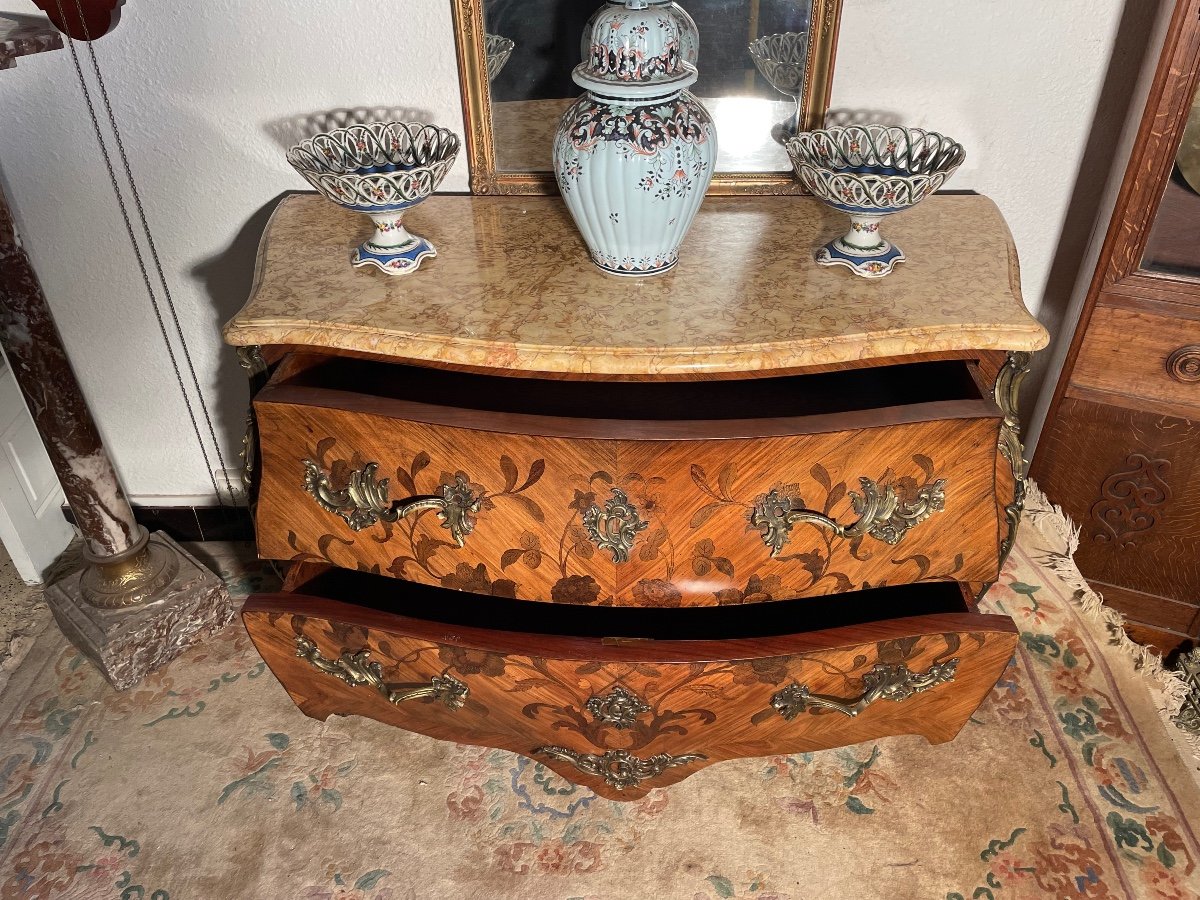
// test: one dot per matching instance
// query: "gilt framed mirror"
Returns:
(766, 67)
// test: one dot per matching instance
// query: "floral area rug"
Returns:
(206, 782)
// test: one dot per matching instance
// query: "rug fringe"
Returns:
(1056, 525)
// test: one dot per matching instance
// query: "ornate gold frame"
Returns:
(477, 109)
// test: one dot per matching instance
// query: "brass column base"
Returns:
(130, 579)
(1188, 668)
(133, 615)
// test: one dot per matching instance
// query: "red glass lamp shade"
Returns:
(98, 17)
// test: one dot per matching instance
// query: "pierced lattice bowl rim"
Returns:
(875, 162)
(497, 43)
(376, 166)
(497, 49)
(374, 148)
(763, 42)
(863, 149)
(772, 66)
(887, 194)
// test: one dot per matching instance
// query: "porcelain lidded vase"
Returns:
(635, 153)
(689, 34)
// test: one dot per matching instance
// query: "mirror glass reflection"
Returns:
(1173, 247)
(752, 56)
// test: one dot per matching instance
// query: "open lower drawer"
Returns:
(667, 494)
(626, 700)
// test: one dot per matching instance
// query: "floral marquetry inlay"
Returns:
(621, 720)
(670, 536)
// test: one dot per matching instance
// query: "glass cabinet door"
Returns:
(1173, 247)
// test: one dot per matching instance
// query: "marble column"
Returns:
(25, 35)
(139, 599)
(39, 362)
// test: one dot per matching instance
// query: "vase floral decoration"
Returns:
(689, 34)
(634, 155)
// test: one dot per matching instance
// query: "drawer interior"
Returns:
(769, 619)
(792, 396)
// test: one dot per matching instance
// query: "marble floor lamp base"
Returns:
(126, 644)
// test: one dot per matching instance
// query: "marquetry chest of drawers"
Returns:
(633, 528)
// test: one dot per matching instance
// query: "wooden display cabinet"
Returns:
(1119, 447)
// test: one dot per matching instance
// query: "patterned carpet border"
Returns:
(1166, 685)
(205, 781)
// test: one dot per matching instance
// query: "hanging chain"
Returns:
(153, 251)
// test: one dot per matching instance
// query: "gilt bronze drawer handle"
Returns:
(618, 708)
(884, 682)
(614, 528)
(620, 768)
(364, 500)
(356, 669)
(882, 514)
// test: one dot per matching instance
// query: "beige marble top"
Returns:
(512, 289)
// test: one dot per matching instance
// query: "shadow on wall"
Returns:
(291, 130)
(1113, 106)
(842, 117)
(227, 278)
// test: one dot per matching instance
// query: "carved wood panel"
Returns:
(1132, 481)
(1131, 500)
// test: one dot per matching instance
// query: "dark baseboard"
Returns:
(193, 523)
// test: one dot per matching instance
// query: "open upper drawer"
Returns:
(628, 493)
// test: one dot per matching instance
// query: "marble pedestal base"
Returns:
(127, 644)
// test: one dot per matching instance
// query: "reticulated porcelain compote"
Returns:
(382, 169)
(783, 60)
(497, 50)
(869, 172)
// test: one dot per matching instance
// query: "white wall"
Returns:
(1015, 82)
(200, 90)
(195, 87)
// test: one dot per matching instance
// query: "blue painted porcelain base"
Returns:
(875, 262)
(633, 267)
(402, 260)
